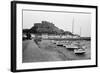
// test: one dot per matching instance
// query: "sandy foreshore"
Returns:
(47, 51)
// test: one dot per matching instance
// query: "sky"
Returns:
(62, 20)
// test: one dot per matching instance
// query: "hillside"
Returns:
(47, 27)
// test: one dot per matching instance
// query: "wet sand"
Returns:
(47, 51)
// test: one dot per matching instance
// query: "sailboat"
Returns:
(71, 45)
(80, 49)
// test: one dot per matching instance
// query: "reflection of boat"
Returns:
(79, 51)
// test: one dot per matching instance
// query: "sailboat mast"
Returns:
(73, 25)
(80, 31)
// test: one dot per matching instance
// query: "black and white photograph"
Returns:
(56, 36)
(53, 36)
